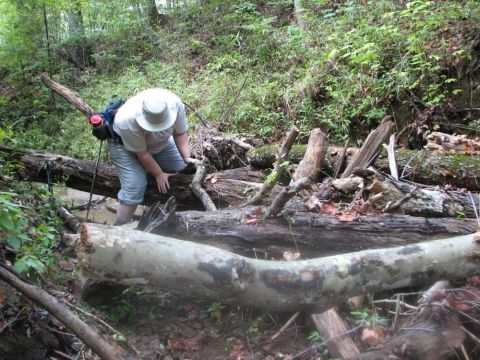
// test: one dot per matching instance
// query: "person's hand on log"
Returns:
(162, 182)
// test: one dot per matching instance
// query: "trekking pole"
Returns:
(93, 180)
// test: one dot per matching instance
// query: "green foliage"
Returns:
(355, 62)
(315, 336)
(369, 319)
(31, 230)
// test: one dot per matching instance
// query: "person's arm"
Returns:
(181, 140)
(149, 163)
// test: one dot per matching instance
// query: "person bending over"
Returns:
(152, 127)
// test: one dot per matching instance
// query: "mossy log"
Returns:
(136, 257)
(425, 167)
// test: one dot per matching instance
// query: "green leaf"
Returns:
(14, 241)
(27, 262)
(6, 221)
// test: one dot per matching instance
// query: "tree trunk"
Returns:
(137, 257)
(425, 167)
(229, 187)
(299, 13)
(313, 235)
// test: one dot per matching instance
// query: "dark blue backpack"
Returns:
(105, 131)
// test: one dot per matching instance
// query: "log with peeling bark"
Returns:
(425, 167)
(312, 234)
(371, 146)
(192, 269)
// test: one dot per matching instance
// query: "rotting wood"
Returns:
(313, 159)
(318, 284)
(98, 345)
(442, 142)
(279, 169)
(421, 201)
(370, 147)
(331, 326)
(340, 160)
(69, 219)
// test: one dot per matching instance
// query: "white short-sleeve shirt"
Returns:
(135, 138)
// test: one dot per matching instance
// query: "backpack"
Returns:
(105, 130)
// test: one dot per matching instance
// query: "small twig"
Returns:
(63, 355)
(407, 165)
(404, 304)
(84, 206)
(11, 322)
(284, 327)
(80, 352)
(474, 338)
(204, 123)
(400, 202)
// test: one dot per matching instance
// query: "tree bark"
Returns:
(69, 95)
(229, 187)
(370, 147)
(425, 167)
(199, 270)
(314, 235)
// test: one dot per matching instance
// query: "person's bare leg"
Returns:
(124, 213)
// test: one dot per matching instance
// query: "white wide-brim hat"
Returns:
(156, 114)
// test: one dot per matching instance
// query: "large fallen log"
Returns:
(313, 235)
(136, 257)
(227, 187)
(425, 167)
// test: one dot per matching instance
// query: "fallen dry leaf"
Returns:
(347, 217)
(258, 211)
(238, 349)
(329, 208)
